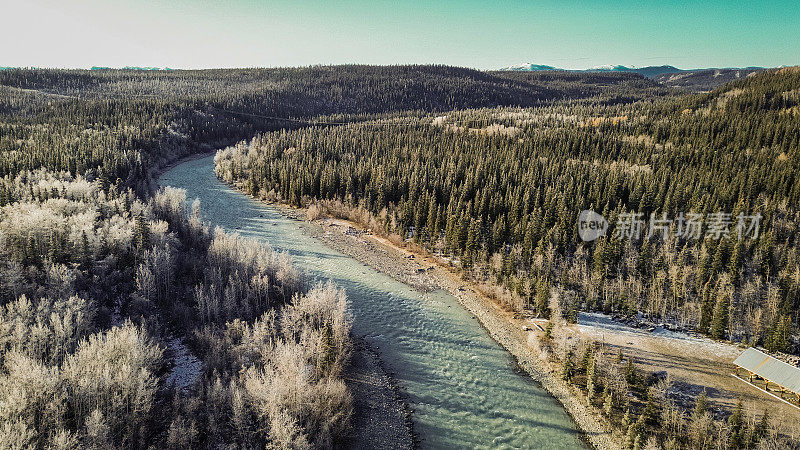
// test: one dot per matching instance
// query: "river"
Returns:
(462, 386)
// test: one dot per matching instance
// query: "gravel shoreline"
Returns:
(381, 418)
(425, 274)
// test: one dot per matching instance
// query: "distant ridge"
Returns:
(144, 68)
(129, 68)
(649, 71)
(690, 79)
(532, 68)
(701, 80)
(96, 68)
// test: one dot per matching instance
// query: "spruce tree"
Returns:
(141, 233)
(719, 325)
(626, 419)
(778, 339)
(591, 378)
(608, 402)
(700, 406)
(631, 373)
(761, 429)
(737, 426)
(568, 370)
(707, 308)
(542, 299)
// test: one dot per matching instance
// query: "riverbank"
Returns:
(426, 274)
(381, 418)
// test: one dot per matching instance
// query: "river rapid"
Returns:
(464, 388)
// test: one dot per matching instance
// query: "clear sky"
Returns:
(483, 35)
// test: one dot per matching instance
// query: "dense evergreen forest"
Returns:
(121, 124)
(499, 191)
(104, 279)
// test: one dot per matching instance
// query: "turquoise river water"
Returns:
(462, 386)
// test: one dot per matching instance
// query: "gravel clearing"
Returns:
(693, 363)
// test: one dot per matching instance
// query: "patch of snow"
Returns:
(186, 367)
(597, 324)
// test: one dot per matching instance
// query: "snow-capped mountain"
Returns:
(649, 71)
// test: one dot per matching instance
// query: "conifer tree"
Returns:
(591, 379)
(141, 233)
(608, 401)
(719, 324)
(700, 405)
(738, 427)
(568, 369)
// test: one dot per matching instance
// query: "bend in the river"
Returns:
(462, 385)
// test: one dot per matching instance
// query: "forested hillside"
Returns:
(704, 80)
(498, 191)
(122, 123)
(606, 87)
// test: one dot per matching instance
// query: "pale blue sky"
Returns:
(484, 35)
